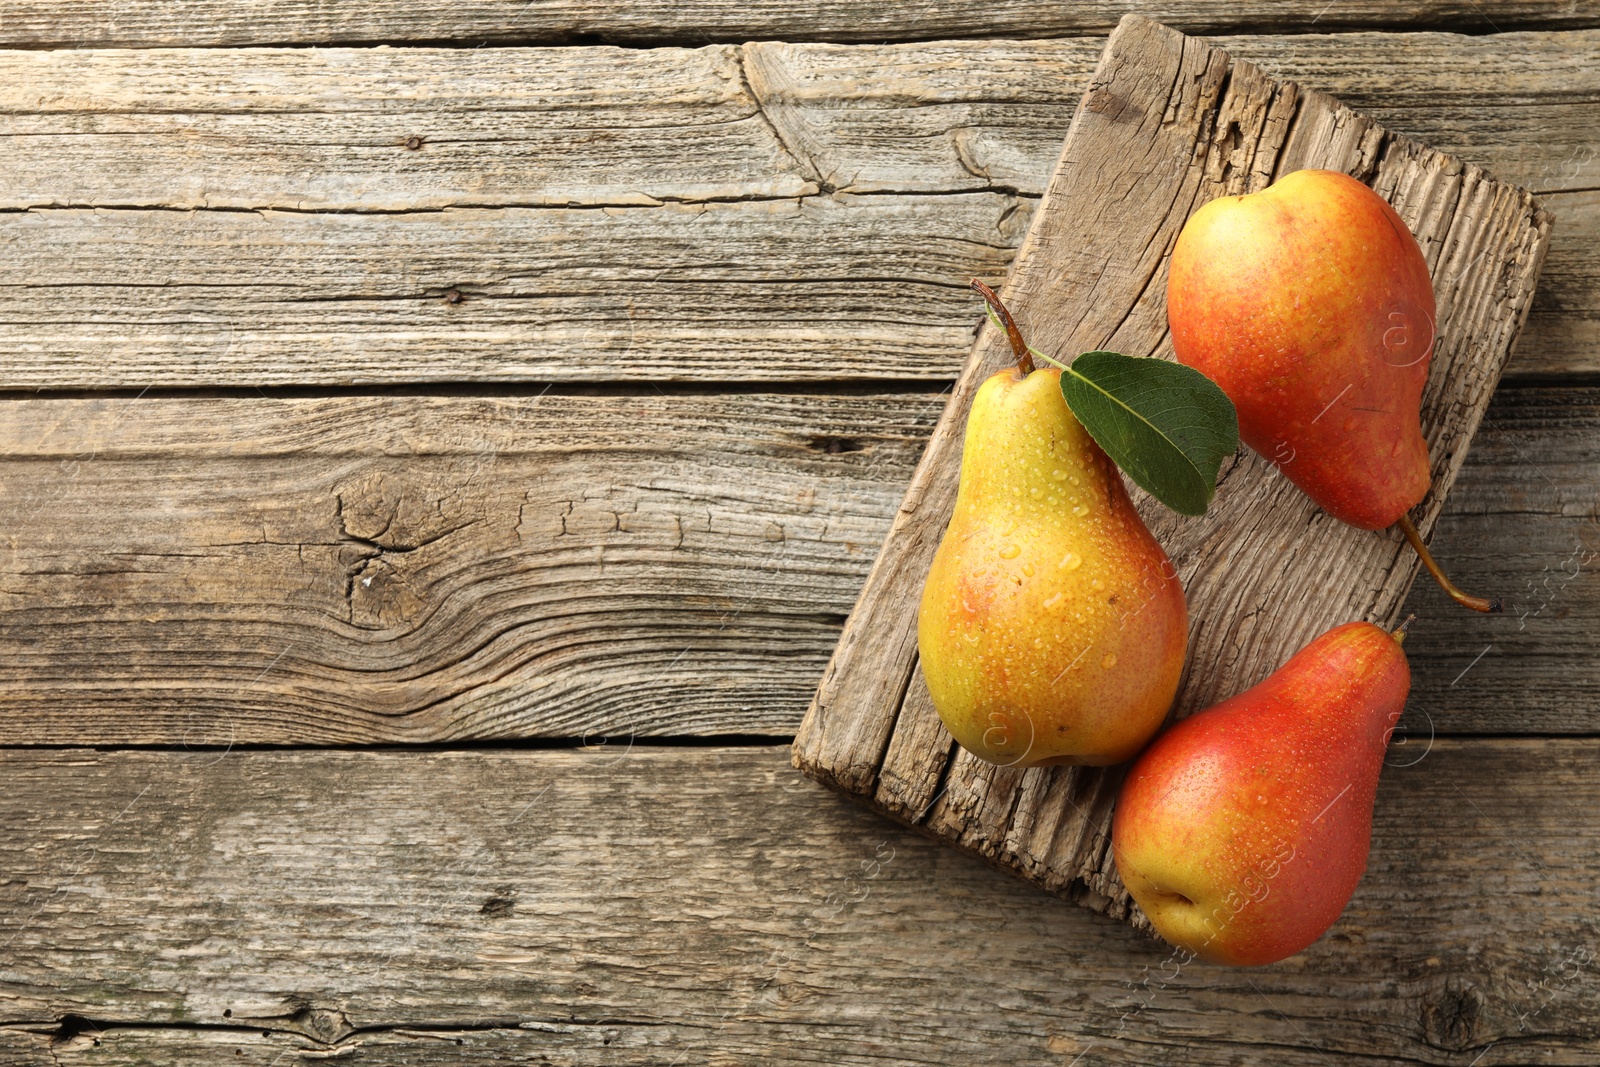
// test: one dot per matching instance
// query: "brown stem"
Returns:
(1399, 633)
(1014, 335)
(1476, 603)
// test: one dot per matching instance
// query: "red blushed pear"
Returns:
(1310, 304)
(1243, 830)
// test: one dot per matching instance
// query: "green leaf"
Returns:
(1168, 426)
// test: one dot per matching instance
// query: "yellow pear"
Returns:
(1052, 627)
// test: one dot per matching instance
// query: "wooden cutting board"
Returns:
(1167, 124)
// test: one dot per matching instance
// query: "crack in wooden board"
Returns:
(1167, 124)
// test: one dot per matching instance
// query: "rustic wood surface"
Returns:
(145, 23)
(433, 568)
(659, 906)
(237, 252)
(611, 213)
(428, 569)
(1166, 125)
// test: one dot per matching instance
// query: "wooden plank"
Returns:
(161, 555)
(1167, 124)
(327, 129)
(1516, 674)
(710, 906)
(1563, 331)
(144, 23)
(670, 293)
(793, 285)
(369, 569)
(758, 290)
(310, 129)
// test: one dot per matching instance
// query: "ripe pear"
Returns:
(1243, 830)
(1052, 627)
(1309, 303)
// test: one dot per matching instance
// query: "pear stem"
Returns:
(1399, 633)
(1014, 335)
(1489, 606)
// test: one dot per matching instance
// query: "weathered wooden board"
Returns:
(676, 906)
(206, 571)
(1519, 672)
(369, 569)
(688, 906)
(184, 570)
(144, 23)
(155, 297)
(210, 23)
(313, 129)
(331, 129)
(1167, 124)
(314, 246)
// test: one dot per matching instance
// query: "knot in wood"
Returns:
(384, 518)
(326, 1025)
(502, 902)
(1451, 1015)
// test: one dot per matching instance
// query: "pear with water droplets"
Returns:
(1052, 627)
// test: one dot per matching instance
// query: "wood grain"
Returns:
(659, 906)
(214, 571)
(705, 291)
(209, 571)
(1166, 125)
(331, 129)
(1519, 672)
(144, 23)
(675, 196)
(965, 115)
(328, 129)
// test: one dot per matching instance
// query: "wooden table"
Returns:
(436, 464)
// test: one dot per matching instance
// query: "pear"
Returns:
(1309, 304)
(1243, 830)
(1052, 626)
